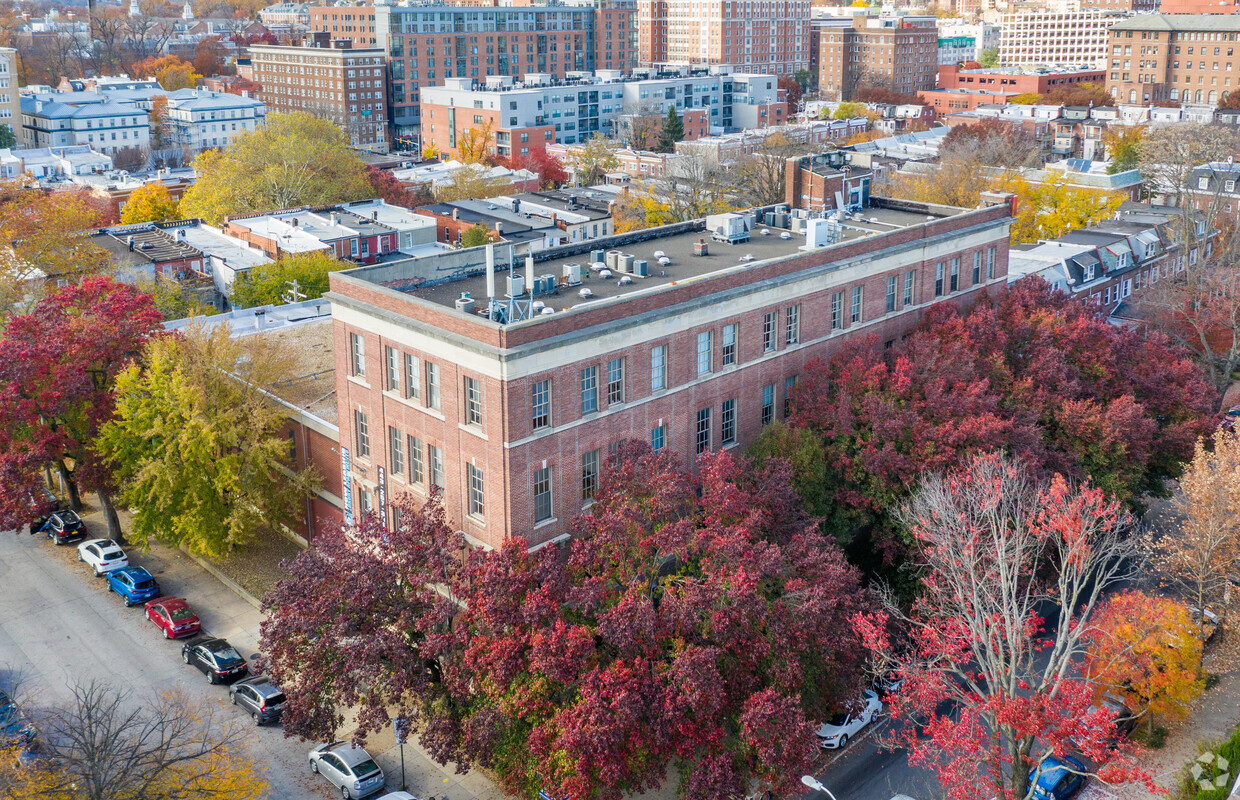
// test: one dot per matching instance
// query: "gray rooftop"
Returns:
(678, 248)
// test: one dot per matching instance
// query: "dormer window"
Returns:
(1089, 273)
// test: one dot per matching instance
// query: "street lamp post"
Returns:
(813, 783)
(401, 728)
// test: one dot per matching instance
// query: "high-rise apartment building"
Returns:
(513, 413)
(427, 44)
(751, 35)
(1047, 37)
(1188, 58)
(898, 54)
(526, 116)
(331, 79)
(10, 101)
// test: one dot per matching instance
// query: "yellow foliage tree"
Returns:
(471, 182)
(149, 203)
(635, 212)
(864, 136)
(473, 145)
(1145, 649)
(850, 110)
(1026, 99)
(1052, 208)
(295, 159)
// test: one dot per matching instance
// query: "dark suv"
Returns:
(259, 696)
(64, 527)
(215, 658)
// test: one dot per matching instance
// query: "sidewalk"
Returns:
(226, 613)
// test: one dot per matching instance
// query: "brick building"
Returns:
(331, 79)
(770, 36)
(427, 44)
(1185, 57)
(513, 412)
(1016, 80)
(1199, 7)
(825, 182)
(898, 54)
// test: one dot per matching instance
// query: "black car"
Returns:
(215, 658)
(259, 696)
(64, 527)
(42, 504)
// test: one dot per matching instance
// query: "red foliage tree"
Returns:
(794, 90)
(687, 607)
(57, 368)
(357, 624)
(996, 550)
(550, 170)
(1034, 372)
(696, 622)
(388, 187)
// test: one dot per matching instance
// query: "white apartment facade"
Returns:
(966, 42)
(202, 120)
(10, 101)
(1048, 37)
(106, 126)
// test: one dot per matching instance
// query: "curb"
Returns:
(224, 579)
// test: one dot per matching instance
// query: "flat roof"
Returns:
(677, 247)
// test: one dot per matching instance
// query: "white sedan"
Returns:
(836, 731)
(103, 555)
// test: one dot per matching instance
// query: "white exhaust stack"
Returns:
(490, 271)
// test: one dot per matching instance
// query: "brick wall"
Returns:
(508, 451)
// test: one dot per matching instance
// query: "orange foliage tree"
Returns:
(172, 73)
(1145, 649)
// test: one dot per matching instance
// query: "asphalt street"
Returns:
(868, 769)
(59, 626)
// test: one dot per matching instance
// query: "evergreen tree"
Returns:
(673, 131)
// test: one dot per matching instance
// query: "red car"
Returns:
(173, 616)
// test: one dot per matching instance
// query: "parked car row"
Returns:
(348, 768)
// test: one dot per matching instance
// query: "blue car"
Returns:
(134, 584)
(1057, 778)
(14, 727)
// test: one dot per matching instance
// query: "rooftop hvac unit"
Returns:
(548, 282)
(465, 304)
(612, 257)
(596, 255)
(641, 268)
(626, 262)
(516, 284)
(572, 274)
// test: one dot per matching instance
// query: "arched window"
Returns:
(1213, 98)
(1132, 95)
(1198, 96)
(1175, 94)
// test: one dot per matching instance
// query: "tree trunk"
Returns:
(71, 489)
(109, 513)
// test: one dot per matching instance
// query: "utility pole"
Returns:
(294, 294)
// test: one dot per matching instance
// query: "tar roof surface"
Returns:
(678, 248)
(312, 386)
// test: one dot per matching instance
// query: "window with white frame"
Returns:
(473, 402)
(769, 321)
(416, 474)
(792, 325)
(432, 386)
(727, 350)
(727, 422)
(412, 380)
(392, 362)
(703, 352)
(589, 390)
(542, 495)
(361, 432)
(357, 347)
(477, 490)
(615, 381)
(855, 315)
(396, 441)
(540, 404)
(658, 368)
(702, 436)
